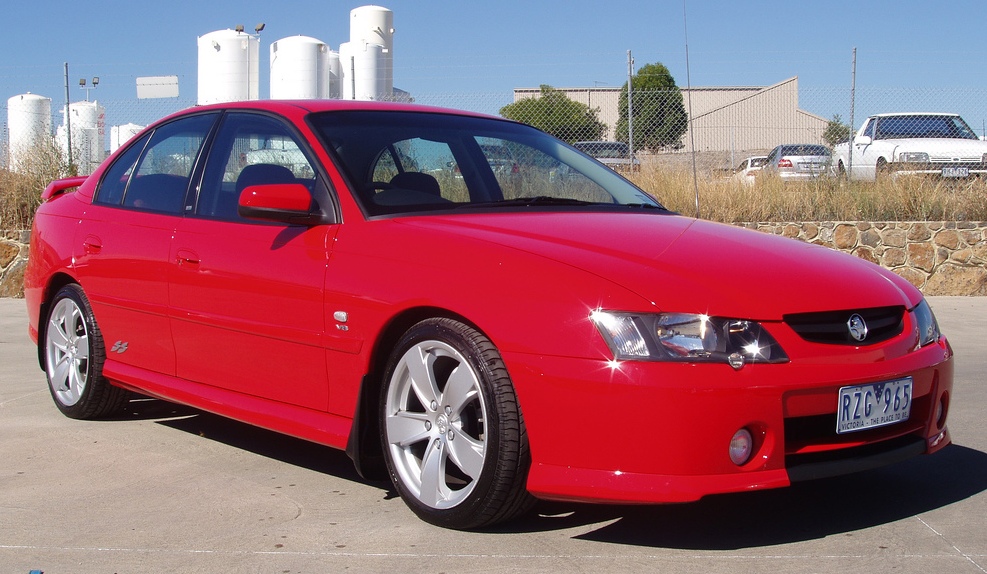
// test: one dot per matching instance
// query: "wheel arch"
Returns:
(55, 284)
(363, 445)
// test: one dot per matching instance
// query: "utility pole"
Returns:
(68, 120)
(630, 108)
(853, 93)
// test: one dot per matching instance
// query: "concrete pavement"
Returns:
(165, 488)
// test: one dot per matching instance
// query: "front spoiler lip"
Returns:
(551, 482)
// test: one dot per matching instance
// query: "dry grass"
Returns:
(823, 199)
(720, 198)
(20, 192)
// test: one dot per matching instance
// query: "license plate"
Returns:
(956, 172)
(864, 407)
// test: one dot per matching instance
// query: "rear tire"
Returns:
(74, 356)
(452, 433)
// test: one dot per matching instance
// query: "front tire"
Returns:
(74, 356)
(452, 433)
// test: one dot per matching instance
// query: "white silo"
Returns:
(369, 63)
(300, 69)
(347, 76)
(335, 76)
(120, 135)
(374, 25)
(361, 71)
(228, 67)
(29, 125)
(88, 121)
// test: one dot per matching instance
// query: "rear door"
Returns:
(247, 296)
(125, 241)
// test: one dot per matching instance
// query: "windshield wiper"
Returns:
(532, 201)
(646, 206)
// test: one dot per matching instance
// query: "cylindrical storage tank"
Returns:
(29, 125)
(368, 63)
(374, 25)
(300, 69)
(228, 67)
(88, 121)
(120, 135)
(347, 75)
(335, 76)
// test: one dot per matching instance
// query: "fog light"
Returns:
(741, 447)
(941, 410)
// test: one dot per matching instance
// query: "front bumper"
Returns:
(638, 432)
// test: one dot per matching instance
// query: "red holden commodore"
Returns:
(472, 308)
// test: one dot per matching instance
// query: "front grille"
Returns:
(831, 327)
(818, 432)
(976, 161)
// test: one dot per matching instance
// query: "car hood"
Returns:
(687, 265)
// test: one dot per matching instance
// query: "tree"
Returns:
(553, 112)
(659, 116)
(836, 131)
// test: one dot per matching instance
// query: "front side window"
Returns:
(250, 149)
(154, 173)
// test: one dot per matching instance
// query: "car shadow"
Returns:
(263, 442)
(804, 511)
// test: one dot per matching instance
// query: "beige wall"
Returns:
(724, 118)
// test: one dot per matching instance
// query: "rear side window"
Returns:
(154, 173)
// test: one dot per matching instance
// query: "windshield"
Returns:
(400, 162)
(923, 126)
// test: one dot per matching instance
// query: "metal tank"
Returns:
(88, 120)
(228, 67)
(374, 26)
(29, 125)
(300, 69)
(120, 135)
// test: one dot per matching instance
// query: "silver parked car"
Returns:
(615, 155)
(797, 161)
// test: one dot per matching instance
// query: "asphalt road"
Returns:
(166, 488)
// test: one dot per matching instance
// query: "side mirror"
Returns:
(862, 140)
(281, 202)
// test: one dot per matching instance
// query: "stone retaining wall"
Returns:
(938, 257)
(13, 259)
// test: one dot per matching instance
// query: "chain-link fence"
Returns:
(724, 125)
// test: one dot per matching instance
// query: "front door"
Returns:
(247, 296)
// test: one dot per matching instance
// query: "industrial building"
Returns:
(722, 119)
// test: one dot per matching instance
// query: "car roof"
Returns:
(303, 107)
(914, 114)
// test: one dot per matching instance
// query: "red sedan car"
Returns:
(361, 275)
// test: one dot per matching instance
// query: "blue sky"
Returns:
(457, 47)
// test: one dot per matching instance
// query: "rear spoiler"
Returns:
(60, 186)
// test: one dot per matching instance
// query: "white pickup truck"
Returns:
(940, 145)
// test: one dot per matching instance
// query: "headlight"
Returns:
(687, 337)
(914, 157)
(928, 327)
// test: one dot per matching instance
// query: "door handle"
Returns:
(92, 245)
(187, 258)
